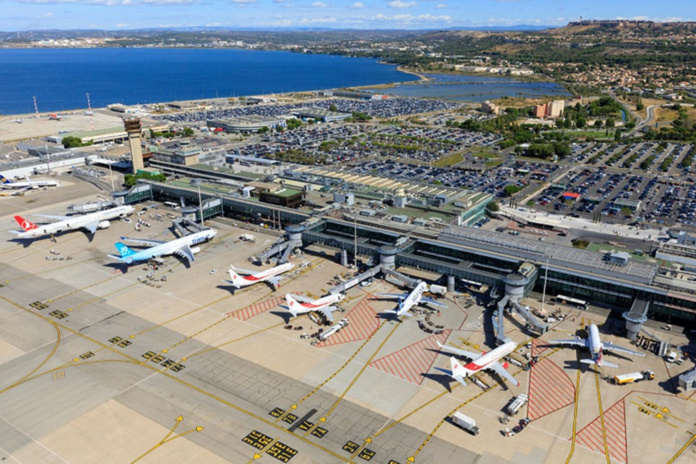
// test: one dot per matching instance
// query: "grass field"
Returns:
(449, 161)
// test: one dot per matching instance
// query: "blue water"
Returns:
(476, 88)
(60, 78)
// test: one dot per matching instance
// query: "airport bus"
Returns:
(566, 300)
(171, 204)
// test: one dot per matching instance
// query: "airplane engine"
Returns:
(195, 250)
(103, 225)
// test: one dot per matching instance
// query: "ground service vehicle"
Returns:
(465, 422)
(633, 377)
(518, 402)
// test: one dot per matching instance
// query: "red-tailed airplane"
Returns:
(479, 361)
(323, 305)
(269, 275)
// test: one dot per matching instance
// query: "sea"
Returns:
(61, 78)
(476, 88)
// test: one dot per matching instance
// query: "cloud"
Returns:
(243, 2)
(48, 15)
(400, 4)
(111, 2)
(320, 5)
(440, 6)
(409, 19)
(358, 5)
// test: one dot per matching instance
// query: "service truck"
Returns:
(518, 402)
(465, 422)
(633, 377)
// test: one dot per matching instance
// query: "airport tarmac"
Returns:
(72, 121)
(110, 363)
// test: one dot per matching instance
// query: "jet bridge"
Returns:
(185, 226)
(514, 290)
(369, 274)
(398, 278)
(287, 245)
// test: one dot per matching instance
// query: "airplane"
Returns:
(7, 183)
(479, 361)
(409, 300)
(323, 305)
(180, 247)
(89, 222)
(269, 275)
(596, 347)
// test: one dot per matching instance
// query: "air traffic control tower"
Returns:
(133, 128)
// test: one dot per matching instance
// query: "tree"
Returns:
(598, 123)
(263, 130)
(71, 142)
(333, 107)
(493, 207)
(511, 189)
(188, 132)
(610, 122)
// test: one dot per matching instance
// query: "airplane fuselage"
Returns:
(316, 305)
(172, 246)
(485, 360)
(412, 299)
(594, 343)
(244, 281)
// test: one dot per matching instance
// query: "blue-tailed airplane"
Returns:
(180, 247)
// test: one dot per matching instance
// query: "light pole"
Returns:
(546, 279)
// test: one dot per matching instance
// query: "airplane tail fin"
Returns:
(459, 372)
(292, 304)
(25, 224)
(236, 279)
(123, 250)
(5, 180)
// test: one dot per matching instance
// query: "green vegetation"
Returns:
(360, 117)
(293, 123)
(493, 206)
(511, 189)
(582, 244)
(449, 161)
(263, 130)
(131, 179)
(645, 164)
(74, 142)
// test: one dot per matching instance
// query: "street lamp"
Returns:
(546, 279)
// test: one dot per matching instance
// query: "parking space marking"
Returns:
(411, 362)
(258, 308)
(550, 389)
(592, 436)
(363, 323)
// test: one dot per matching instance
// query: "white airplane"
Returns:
(409, 300)
(269, 275)
(89, 222)
(7, 183)
(323, 305)
(479, 361)
(180, 247)
(596, 347)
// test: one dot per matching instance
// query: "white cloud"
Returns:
(400, 4)
(440, 6)
(358, 5)
(243, 2)
(48, 15)
(408, 19)
(319, 5)
(111, 2)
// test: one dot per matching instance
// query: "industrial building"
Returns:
(97, 136)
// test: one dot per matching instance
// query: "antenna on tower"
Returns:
(36, 107)
(91, 115)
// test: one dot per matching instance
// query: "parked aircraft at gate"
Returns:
(269, 275)
(479, 361)
(323, 305)
(180, 247)
(409, 300)
(596, 347)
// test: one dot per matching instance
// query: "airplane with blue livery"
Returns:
(182, 247)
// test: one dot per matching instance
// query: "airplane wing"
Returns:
(430, 301)
(392, 296)
(611, 347)
(327, 312)
(275, 281)
(451, 349)
(185, 252)
(502, 372)
(91, 227)
(143, 242)
(574, 342)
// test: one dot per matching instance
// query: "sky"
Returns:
(21, 15)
